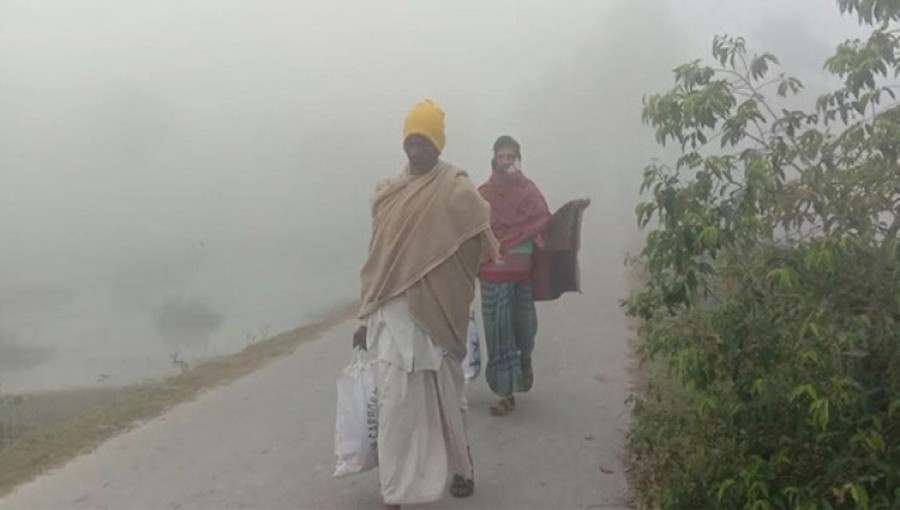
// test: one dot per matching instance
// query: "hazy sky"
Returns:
(215, 159)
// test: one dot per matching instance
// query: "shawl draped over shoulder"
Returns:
(430, 233)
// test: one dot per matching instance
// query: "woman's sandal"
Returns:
(504, 406)
(461, 487)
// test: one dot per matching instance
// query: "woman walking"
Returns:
(519, 218)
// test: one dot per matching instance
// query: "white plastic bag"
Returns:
(356, 424)
(472, 361)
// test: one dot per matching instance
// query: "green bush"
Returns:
(773, 292)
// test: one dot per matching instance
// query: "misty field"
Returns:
(43, 430)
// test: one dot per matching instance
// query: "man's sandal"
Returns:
(461, 487)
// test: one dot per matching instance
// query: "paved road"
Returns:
(265, 441)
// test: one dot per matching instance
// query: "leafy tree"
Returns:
(773, 288)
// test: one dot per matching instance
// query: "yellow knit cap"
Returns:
(426, 119)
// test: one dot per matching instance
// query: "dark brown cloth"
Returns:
(556, 262)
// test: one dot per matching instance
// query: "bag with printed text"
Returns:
(356, 423)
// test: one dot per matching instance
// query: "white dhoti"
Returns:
(421, 429)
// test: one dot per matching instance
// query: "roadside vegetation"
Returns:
(772, 295)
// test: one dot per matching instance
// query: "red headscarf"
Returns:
(518, 209)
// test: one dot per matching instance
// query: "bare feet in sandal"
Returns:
(504, 406)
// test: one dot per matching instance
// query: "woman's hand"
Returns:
(359, 338)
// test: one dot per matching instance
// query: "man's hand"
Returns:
(359, 338)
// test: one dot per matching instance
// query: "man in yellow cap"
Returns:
(430, 232)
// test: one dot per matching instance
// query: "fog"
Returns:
(189, 177)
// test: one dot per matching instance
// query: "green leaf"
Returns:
(819, 412)
(859, 494)
(782, 277)
(709, 237)
(804, 389)
(723, 488)
(894, 408)
(811, 356)
(875, 441)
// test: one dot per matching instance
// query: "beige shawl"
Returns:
(429, 235)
